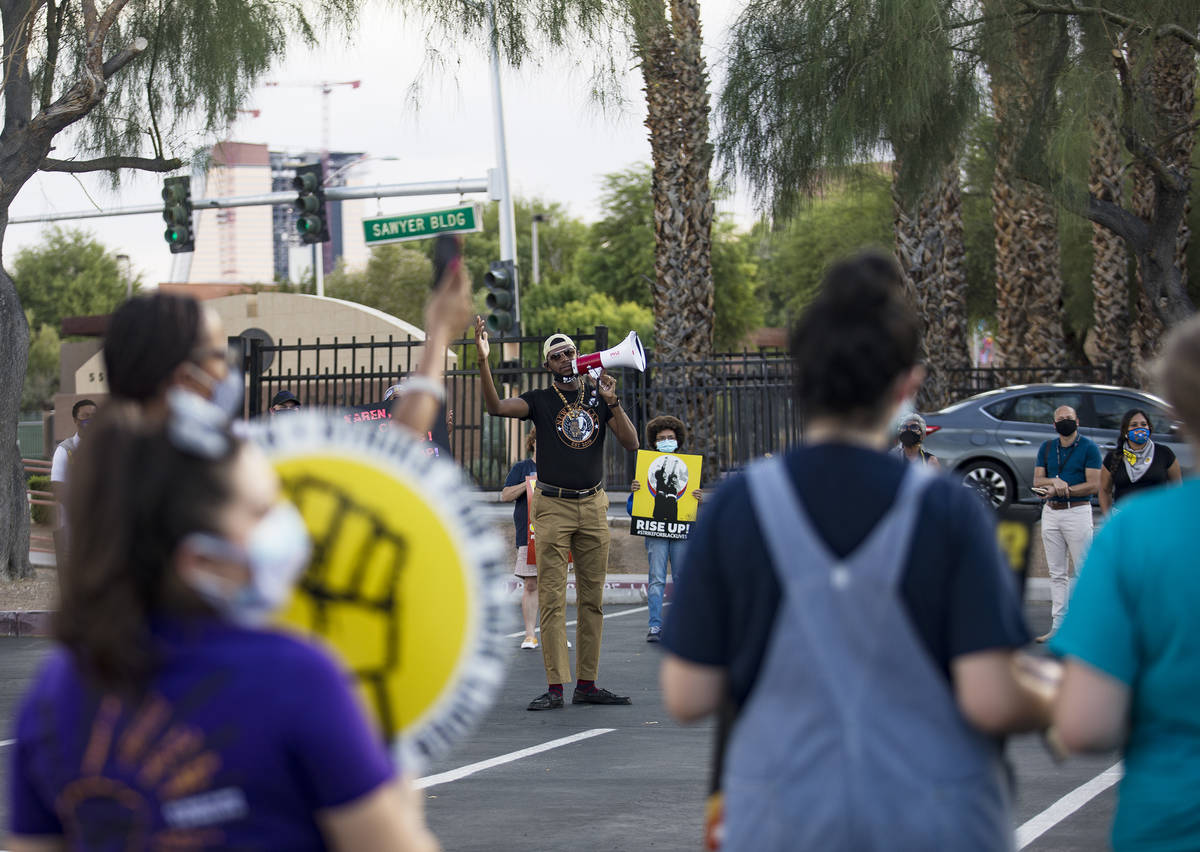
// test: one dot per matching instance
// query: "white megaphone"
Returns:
(627, 353)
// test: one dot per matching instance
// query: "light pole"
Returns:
(536, 270)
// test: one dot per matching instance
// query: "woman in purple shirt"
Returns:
(169, 716)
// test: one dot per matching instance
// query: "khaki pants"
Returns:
(578, 527)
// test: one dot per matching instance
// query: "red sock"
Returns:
(585, 685)
(556, 689)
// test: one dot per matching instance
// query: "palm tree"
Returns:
(812, 90)
(1025, 215)
(929, 247)
(1110, 259)
(677, 109)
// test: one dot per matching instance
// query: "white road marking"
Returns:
(472, 768)
(574, 621)
(1067, 805)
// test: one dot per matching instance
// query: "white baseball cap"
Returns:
(556, 341)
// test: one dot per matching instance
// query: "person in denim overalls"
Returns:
(870, 671)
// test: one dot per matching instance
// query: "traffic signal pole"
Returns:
(503, 192)
(336, 193)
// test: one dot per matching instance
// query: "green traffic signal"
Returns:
(177, 213)
(500, 281)
(311, 222)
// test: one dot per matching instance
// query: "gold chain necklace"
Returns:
(578, 400)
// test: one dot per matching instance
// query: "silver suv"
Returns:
(992, 438)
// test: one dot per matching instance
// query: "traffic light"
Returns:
(311, 222)
(501, 283)
(177, 213)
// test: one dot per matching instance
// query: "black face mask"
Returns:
(1066, 428)
(909, 438)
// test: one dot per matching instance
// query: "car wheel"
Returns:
(992, 480)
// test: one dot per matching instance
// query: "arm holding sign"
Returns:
(448, 312)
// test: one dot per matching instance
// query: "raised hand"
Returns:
(481, 338)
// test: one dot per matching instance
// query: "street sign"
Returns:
(420, 226)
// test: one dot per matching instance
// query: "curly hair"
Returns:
(665, 421)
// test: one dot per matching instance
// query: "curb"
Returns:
(31, 623)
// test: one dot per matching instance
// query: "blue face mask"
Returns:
(1140, 435)
(667, 445)
(276, 554)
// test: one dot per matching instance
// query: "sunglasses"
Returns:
(566, 354)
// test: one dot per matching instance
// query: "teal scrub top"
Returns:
(1135, 615)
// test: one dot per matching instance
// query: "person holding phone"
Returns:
(1067, 474)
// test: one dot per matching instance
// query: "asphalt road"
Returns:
(635, 780)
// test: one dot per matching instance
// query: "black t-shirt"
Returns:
(520, 470)
(955, 585)
(571, 455)
(1156, 475)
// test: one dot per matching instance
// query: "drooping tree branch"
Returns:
(1071, 7)
(1142, 150)
(110, 164)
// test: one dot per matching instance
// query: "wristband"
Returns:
(422, 384)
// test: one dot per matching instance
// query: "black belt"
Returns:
(567, 493)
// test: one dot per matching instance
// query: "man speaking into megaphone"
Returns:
(570, 508)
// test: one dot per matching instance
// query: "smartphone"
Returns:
(445, 249)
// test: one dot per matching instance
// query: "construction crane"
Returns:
(326, 87)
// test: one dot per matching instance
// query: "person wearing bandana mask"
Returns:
(665, 434)
(1066, 476)
(570, 511)
(911, 437)
(1137, 463)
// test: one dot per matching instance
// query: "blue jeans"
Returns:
(658, 551)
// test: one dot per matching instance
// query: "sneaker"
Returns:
(655, 635)
(546, 701)
(530, 643)
(598, 696)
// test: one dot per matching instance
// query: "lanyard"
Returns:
(1070, 452)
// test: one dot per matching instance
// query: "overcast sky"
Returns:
(559, 142)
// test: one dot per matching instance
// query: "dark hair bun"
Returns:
(855, 338)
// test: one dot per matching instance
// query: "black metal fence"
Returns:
(747, 394)
(968, 381)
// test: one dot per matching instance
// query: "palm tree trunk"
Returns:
(929, 247)
(677, 109)
(1025, 217)
(1110, 258)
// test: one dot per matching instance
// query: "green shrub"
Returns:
(41, 514)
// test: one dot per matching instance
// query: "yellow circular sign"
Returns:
(405, 581)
